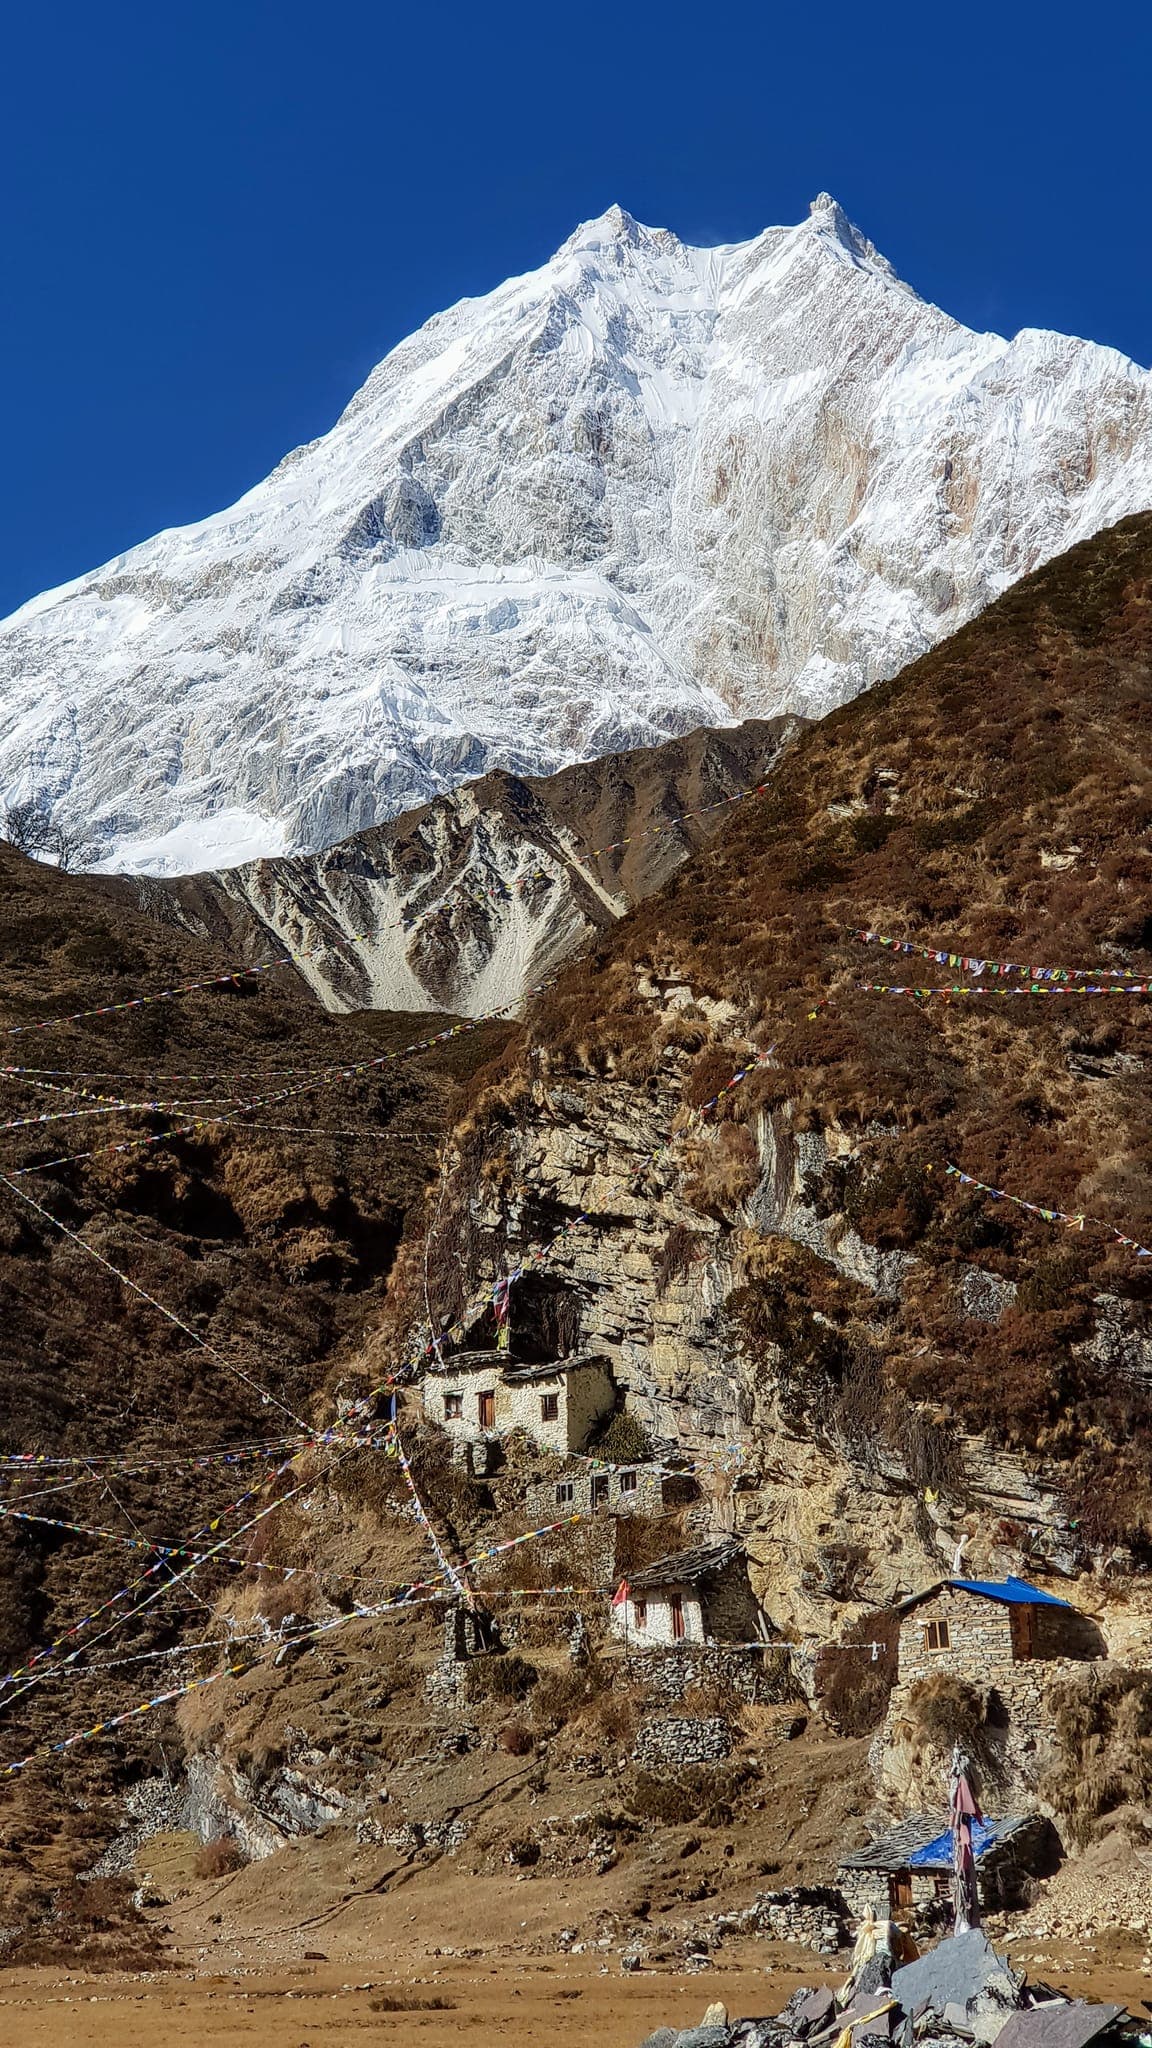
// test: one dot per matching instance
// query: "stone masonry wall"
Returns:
(683, 1740)
(762, 1677)
(571, 1492)
(980, 1639)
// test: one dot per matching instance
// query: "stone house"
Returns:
(696, 1596)
(908, 1871)
(478, 1396)
(613, 1489)
(980, 1629)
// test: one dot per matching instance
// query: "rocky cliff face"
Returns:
(645, 488)
(890, 1374)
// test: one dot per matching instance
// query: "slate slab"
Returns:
(1058, 2026)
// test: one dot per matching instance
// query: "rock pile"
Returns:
(816, 1915)
(960, 1995)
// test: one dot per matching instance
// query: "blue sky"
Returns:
(217, 218)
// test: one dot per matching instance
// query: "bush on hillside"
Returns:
(1101, 1750)
(499, 1678)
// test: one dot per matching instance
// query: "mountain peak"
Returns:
(828, 218)
(650, 486)
(611, 229)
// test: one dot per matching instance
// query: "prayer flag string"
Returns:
(1050, 1215)
(971, 963)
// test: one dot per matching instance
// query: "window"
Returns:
(628, 1482)
(549, 1407)
(486, 1410)
(565, 1494)
(600, 1490)
(936, 1636)
(676, 1610)
(453, 1407)
(640, 1613)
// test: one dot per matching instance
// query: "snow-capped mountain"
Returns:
(645, 488)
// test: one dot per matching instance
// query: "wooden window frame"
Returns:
(600, 1490)
(937, 1635)
(453, 1407)
(549, 1407)
(565, 1493)
(629, 1482)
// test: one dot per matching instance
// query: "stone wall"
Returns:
(657, 1630)
(980, 1639)
(816, 1915)
(572, 1493)
(682, 1740)
(731, 1612)
(761, 1677)
(1021, 1735)
(583, 1395)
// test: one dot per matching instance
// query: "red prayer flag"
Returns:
(621, 1594)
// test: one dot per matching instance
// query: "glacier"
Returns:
(643, 489)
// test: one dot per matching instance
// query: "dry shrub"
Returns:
(560, 1695)
(854, 1687)
(92, 1926)
(615, 1714)
(946, 1710)
(278, 1598)
(721, 1171)
(624, 1441)
(680, 1250)
(412, 2004)
(641, 1539)
(1101, 1749)
(499, 1678)
(516, 1740)
(219, 1858)
(697, 1792)
(714, 1697)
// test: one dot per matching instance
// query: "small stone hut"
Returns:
(696, 1596)
(478, 1396)
(909, 1869)
(613, 1489)
(980, 1628)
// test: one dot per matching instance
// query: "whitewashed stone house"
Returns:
(478, 1396)
(696, 1596)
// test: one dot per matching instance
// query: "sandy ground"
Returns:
(561, 2001)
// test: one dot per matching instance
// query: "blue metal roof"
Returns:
(1016, 1592)
(938, 1853)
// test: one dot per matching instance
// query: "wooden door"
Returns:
(487, 1406)
(676, 1609)
(900, 1890)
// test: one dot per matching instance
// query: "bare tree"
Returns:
(70, 848)
(29, 828)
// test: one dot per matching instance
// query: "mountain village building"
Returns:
(909, 1869)
(480, 1395)
(695, 1596)
(981, 1628)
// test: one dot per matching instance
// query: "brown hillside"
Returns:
(272, 1245)
(993, 798)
